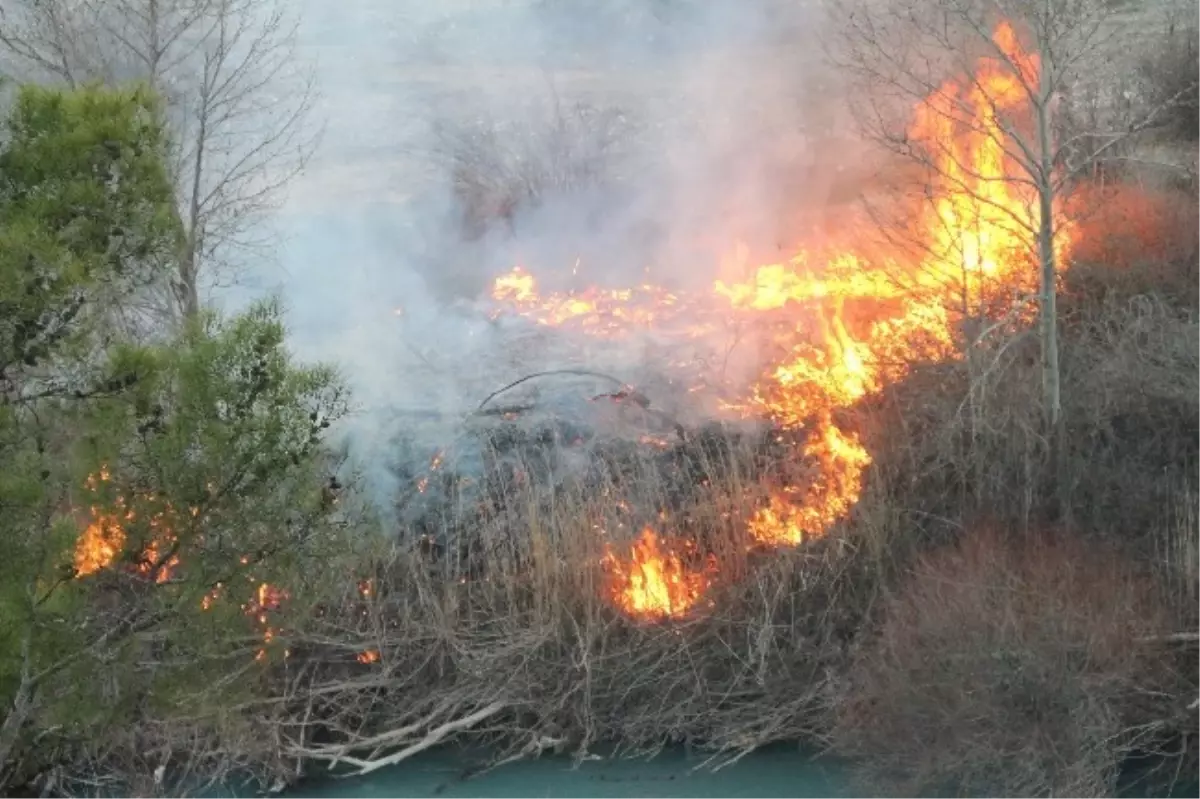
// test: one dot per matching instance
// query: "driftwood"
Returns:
(341, 753)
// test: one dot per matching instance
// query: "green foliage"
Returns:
(215, 449)
(197, 461)
(221, 432)
(85, 203)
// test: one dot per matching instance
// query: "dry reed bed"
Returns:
(986, 620)
(531, 630)
(528, 652)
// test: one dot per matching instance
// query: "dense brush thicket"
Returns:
(994, 615)
(990, 619)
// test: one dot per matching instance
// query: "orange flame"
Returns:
(852, 323)
(102, 541)
(654, 582)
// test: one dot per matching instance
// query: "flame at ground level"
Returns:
(839, 324)
(654, 581)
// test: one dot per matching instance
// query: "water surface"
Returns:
(773, 772)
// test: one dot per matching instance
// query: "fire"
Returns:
(593, 310)
(101, 543)
(267, 598)
(517, 286)
(103, 539)
(843, 323)
(654, 581)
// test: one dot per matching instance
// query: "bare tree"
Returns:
(237, 99)
(899, 54)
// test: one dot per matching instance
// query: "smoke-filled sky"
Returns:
(722, 128)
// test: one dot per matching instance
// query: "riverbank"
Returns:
(780, 770)
(776, 771)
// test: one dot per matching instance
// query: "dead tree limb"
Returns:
(432, 738)
(526, 378)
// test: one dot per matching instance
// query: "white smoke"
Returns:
(723, 118)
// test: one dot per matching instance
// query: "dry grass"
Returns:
(1007, 666)
(529, 627)
(1178, 558)
(995, 664)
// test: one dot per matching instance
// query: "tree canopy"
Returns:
(153, 495)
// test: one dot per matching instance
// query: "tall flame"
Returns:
(858, 322)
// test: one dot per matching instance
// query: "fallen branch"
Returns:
(576, 372)
(339, 754)
(1172, 638)
(433, 738)
(336, 751)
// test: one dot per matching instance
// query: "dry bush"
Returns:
(1171, 78)
(499, 168)
(1007, 666)
(946, 445)
(528, 651)
(1130, 240)
(1176, 560)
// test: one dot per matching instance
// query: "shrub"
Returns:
(500, 168)
(1006, 667)
(961, 441)
(1130, 240)
(1171, 75)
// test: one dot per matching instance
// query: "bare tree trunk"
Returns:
(188, 291)
(1045, 182)
(1051, 383)
(18, 714)
(1043, 108)
(1051, 391)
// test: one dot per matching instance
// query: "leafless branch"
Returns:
(238, 101)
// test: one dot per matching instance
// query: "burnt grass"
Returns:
(496, 604)
(995, 615)
(528, 463)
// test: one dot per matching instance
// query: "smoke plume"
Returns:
(591, 142)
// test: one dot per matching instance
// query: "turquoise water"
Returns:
(768, 774)
(774, 772)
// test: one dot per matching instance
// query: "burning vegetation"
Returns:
(104, 541)
(698, 555)
(835, 326)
